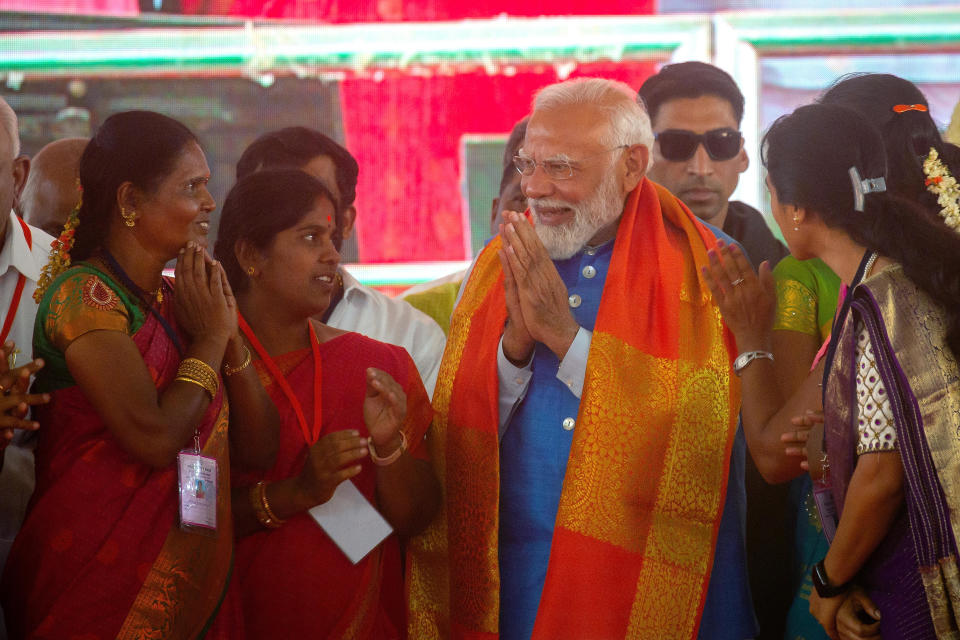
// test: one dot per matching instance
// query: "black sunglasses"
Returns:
(679, 145)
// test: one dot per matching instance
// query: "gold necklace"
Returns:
(145, 296)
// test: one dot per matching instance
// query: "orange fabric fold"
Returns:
(646, 479)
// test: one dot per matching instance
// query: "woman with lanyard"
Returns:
(130, 529)
(892, 386)
(353, 417)
(900, 111)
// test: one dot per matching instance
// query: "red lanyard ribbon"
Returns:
(310, 434)
(18, 290)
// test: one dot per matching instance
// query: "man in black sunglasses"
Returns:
(696, 109)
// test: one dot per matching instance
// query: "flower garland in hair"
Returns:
(945, 187)
(60, 248)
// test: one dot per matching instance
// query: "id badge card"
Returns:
(826, 507)
(198, 491)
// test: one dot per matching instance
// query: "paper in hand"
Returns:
(351, 522)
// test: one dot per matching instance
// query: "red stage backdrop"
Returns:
(405, 133)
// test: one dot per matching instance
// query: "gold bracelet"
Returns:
(196, 382)
(206, 385)
(232, 371)
(266, 505)
(258, 493)
(196, 368)
(199, 372)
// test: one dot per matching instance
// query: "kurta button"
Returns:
(589, 271)
(574, 300)
(568, 424)
(590, 251)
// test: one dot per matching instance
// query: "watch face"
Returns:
(742, 360)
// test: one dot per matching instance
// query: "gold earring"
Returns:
(796, 222)
(250, 271)
(129, 219)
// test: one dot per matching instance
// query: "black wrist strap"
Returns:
(822, 583)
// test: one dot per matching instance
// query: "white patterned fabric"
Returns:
(875, 422)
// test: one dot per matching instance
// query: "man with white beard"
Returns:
(586, 430)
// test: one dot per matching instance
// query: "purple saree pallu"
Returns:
(912, 575)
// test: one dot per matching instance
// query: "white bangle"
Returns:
(390, 459)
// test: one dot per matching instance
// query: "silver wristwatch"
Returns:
(747, 357)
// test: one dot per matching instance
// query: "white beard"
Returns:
(594, 213)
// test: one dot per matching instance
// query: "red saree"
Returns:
(101, 554)
(295, 582)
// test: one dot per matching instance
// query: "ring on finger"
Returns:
(736, 282)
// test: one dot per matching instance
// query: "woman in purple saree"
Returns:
(892, 384)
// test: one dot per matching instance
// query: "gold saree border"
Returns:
(186, 584)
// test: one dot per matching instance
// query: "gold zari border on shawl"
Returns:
(428, 575)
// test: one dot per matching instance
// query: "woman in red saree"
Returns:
(350, 409)
(131, 363)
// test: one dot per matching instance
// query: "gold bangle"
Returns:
(266, 505)
(196, 368)
(196, 382)
(209, 386)
(200, 372)
(232, 371)
(258, 493)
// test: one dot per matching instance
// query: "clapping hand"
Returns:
(14, 399)
(747, 301)
(330, 460)
(384, 410)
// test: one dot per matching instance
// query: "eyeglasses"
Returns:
(679, 145)
(555, 169)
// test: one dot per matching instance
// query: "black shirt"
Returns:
(748, 227)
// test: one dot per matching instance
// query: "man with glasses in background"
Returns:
(696, 110)
(586, 419)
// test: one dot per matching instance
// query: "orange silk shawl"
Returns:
(646, 478)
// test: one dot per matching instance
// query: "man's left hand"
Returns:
(541, 292)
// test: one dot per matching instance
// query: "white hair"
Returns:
(9, 121)
(629, 122)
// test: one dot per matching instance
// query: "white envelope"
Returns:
(351, 522)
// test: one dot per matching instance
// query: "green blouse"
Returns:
(807, 292)
(80, 300)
